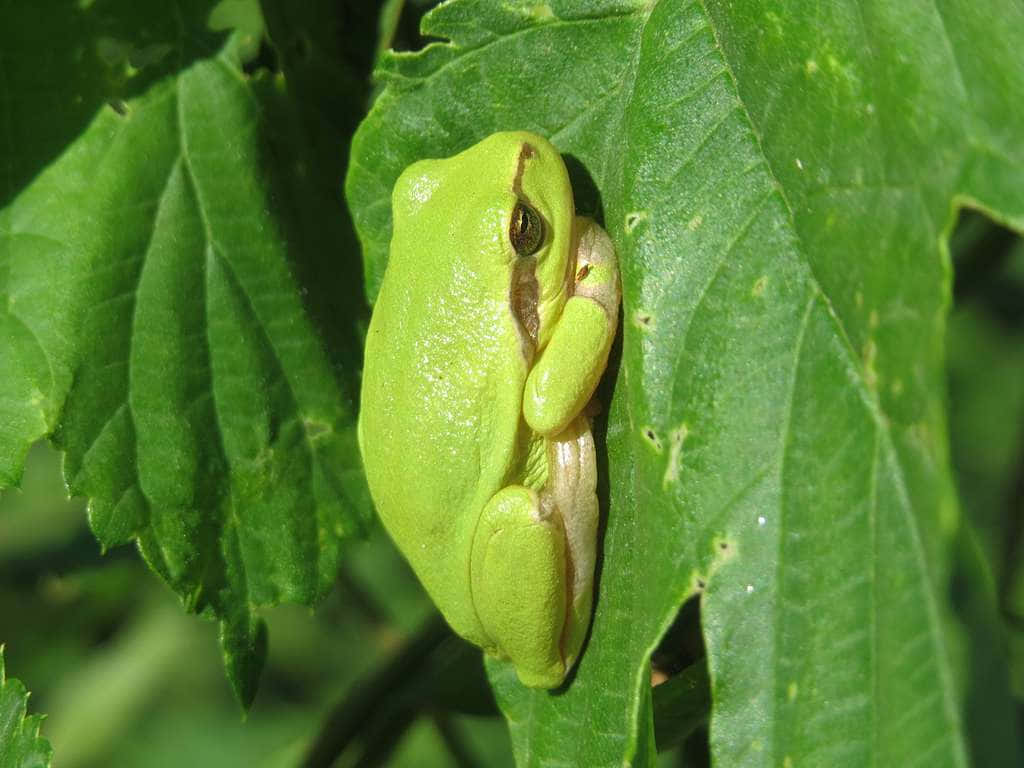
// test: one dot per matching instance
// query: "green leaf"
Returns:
(63, 59)
(778, 185)
(156, 317)
(21, 746)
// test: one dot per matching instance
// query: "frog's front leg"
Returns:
(564, 377)
(518, 577)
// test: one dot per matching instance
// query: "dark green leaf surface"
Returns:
(681, 705)
(151, 314)
(21, 746)
(778, 184)
(61, 61)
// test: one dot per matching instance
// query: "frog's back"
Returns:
(442, 384)
(442, 390)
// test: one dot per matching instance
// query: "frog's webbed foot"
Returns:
(533, 563)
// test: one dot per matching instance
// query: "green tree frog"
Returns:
(492, 327)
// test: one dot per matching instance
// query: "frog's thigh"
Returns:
(519, 582)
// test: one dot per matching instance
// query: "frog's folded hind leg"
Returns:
(572, 487)
(518, 580)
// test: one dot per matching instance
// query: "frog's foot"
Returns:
(518, 577)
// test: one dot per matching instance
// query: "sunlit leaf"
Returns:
(778, 183)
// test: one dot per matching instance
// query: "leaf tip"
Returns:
(244, 648)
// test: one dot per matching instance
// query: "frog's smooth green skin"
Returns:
(479, 363)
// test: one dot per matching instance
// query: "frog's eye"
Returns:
(526, 230)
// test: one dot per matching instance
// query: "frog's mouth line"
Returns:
(523, 296)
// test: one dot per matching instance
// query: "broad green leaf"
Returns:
(778, 182)
(62, 61)
(156, 316)
(21, 746)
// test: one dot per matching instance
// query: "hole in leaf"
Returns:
(682, 692)
(265, 59)
(988, 268)
(985, 374)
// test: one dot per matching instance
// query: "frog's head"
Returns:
(502, 211)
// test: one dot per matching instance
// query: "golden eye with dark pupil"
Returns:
(526, 230)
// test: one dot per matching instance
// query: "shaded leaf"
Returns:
(62, 59)
(777, 186)
(21, 746)
(153, 318)
(681, 705)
